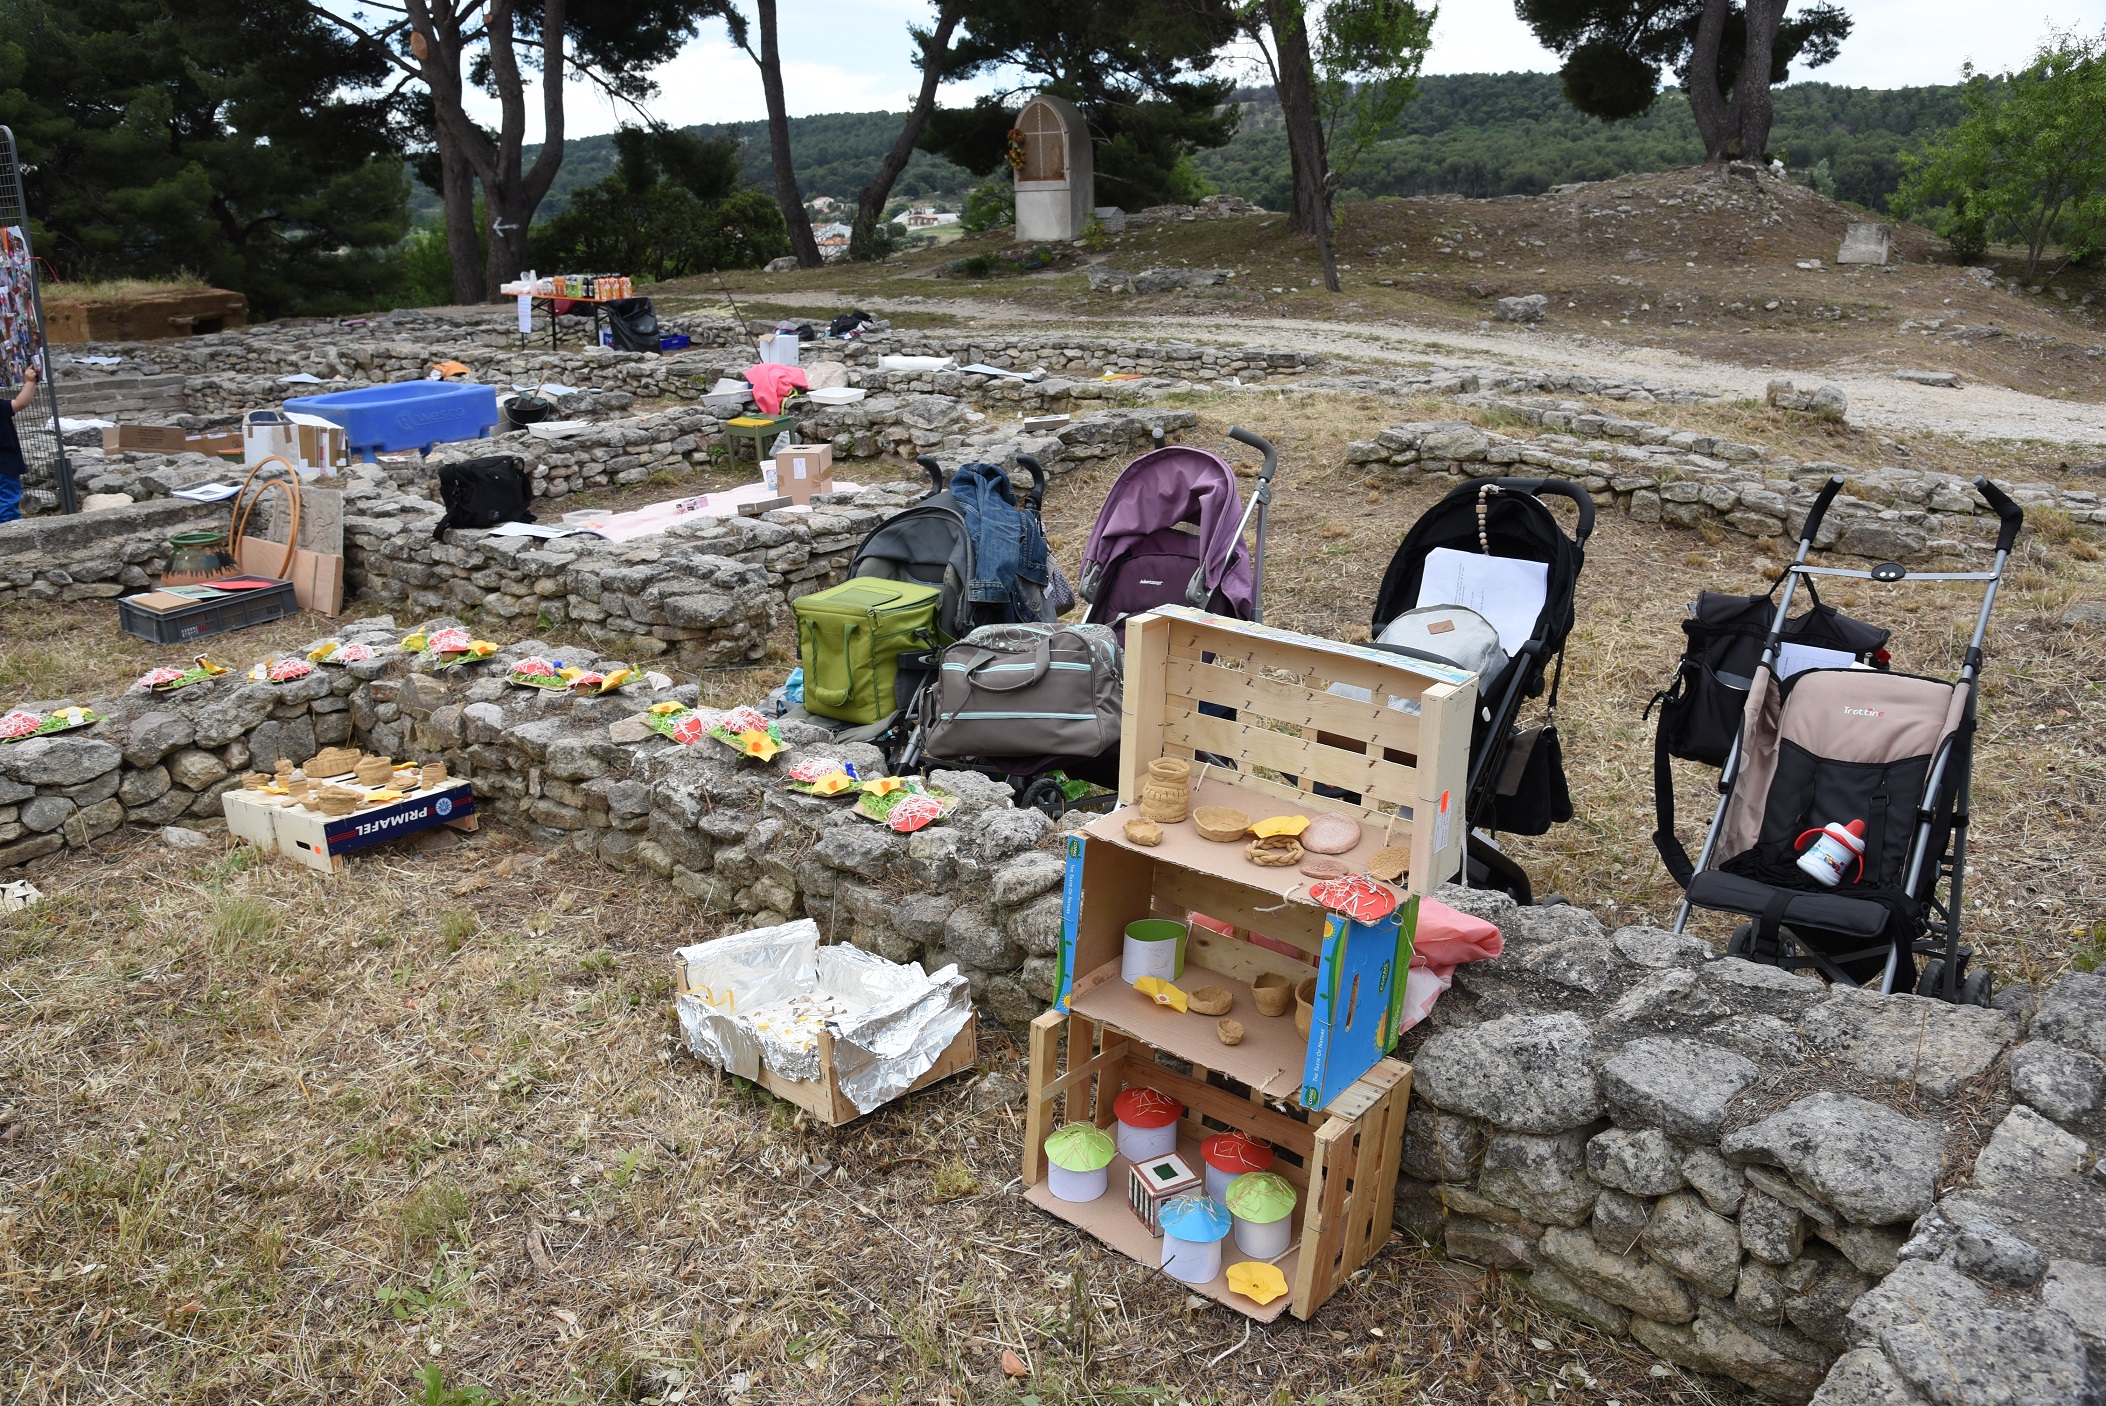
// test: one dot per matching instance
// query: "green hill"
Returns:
(1486, 134)
(1474, 134)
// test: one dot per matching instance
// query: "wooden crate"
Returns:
(822, 1097)
(1405, 752)
(1343, 1159)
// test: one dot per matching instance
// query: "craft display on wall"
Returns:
(21, 337)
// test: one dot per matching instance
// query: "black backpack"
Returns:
(484, 492)
(634, 324)
(1700, 709)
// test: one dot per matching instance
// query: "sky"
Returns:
(854, 55)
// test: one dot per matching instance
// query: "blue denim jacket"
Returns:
(1009, 548)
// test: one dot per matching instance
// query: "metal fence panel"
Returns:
(48, 486)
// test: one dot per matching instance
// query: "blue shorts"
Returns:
(10, 498)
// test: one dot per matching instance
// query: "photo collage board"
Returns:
(21, 333)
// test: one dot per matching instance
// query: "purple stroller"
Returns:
(1171, 532)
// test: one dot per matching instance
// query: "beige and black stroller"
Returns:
(1884, 756)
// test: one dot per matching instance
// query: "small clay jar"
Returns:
(1272, 993)
(433, 776)
(337, 800)
(1145, 833)
(1166, 793)
(298, 791)
(1229, 1032)
(1304, 1005)
(255, 781)
(374, 771)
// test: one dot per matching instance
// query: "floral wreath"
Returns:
(1015, 154)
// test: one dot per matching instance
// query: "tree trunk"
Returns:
(1715, 119)
(1751, 91)
(870, 201)
(802, 244)
(1295, 84)
(464, 242)
(510, 197)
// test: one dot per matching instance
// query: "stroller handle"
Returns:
(1819, 510)
(1037, 496)
(2014, 517)
(1263, 446)
(935, 472)
(1557, 488)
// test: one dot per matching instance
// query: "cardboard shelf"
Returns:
(1184, 846)
(1270, 1059)
(1110, 1219)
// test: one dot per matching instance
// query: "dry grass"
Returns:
(93, 290)
(269, 1137)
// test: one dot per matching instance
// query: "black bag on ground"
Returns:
(484, 492)
(634, 324)
(849, 323)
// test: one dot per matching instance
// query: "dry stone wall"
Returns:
(1656, 473)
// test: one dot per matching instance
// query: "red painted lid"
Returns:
(1236, 1151)
(1147, 1108)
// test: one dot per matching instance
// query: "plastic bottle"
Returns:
(1834, 853)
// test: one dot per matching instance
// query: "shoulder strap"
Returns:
(1672, 854)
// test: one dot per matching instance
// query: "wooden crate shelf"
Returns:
(1343, 1159)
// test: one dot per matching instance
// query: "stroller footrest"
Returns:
(1731, 893)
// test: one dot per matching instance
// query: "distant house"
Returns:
(928, 219)
(834, 231)
(822, 203)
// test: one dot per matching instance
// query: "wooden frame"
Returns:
(1343, 1160)
(822, 1097)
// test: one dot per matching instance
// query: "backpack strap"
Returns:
(1672, 854)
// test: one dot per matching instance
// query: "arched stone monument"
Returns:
(1056, 184)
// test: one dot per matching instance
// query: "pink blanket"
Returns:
(1446, 939)
(772, 383)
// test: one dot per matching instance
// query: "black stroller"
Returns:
(1871, 768)
(932, 542)
(1517, 777)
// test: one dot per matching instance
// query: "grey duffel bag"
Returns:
(1025, 691)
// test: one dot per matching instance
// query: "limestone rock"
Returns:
(1775, 1361)
(1563, 1297)
(152, 736)
(1992, 1254)
(1485, 1242)
(2063, 1083)
(1619, 1219)
(1584, 964)
(1629, 1281)
(1544, 1178)
(1643, 1163)
(1820, 1297)
(2077, 1291)
(58, 761)
(1682, 1086)
(863, 850)
(1674, 1000)
(971, 933)
(1026, 877)
(1869, 1162)
(1441, 1146)
(1529, 307)
(1864, 1377)
(1872, 1249)
(1908, 1038)
(1528, 1074)
(1771, 1230)
(2073, 1013)
(195, 768)
(1719, 1182)
(1695, 1242)
(1659, 948)
(176, 837)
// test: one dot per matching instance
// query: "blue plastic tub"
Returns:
(411, 415)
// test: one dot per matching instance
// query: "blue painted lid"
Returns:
(1199, 1219)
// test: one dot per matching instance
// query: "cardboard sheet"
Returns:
(1271, 1056)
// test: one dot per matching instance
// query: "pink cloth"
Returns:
(772, 382)
(1445, 940)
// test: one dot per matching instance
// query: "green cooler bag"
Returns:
(850, 637)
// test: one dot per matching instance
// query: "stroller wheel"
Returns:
(1974, 991)
(1933, 977)
(1044, 794)
(1742, 943)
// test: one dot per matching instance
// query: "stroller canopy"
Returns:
(1158, 491)
(1485, 518)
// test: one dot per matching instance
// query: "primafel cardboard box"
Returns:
(167, 439)
(804, 469)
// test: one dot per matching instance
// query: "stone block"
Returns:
(1630, 1281)
(1681, 1086)
(1544, 1178)
(1524, 1073)
(1869, 1162)
(1643, 1163)
(1441, 1146)
(1696, 1242)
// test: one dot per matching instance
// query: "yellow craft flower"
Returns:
(414, 641)
(482, 648)
(668, 706)
(1256, 1280)
(1161, 992)
(884, 785)
(321, 652)
(755, 742)
(616, 680)
(1280, 825)
(832, 784)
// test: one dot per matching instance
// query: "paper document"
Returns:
(300, 378)
(1507, 591)
(1797, 658)
(206, 492)
(532, 529)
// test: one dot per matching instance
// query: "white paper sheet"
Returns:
(526, 314)
(1796, 658)
(531, 529)
(1506, 591)
(300, 378)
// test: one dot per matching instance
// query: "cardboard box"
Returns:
(167, 439)
(804, 469)
(308, 837)
(313, 444)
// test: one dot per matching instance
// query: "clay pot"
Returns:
(1221, 824)
(1304, 1005)
(374, 771)
(332, 761)
(433, 776)
(1210, 1000)
(1272, 992)
(1166, 792)
(1229, 1032)
(255, 781)
(1145, 833)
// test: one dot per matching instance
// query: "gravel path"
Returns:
(1877, 400)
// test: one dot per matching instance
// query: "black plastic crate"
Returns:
(239, 610)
